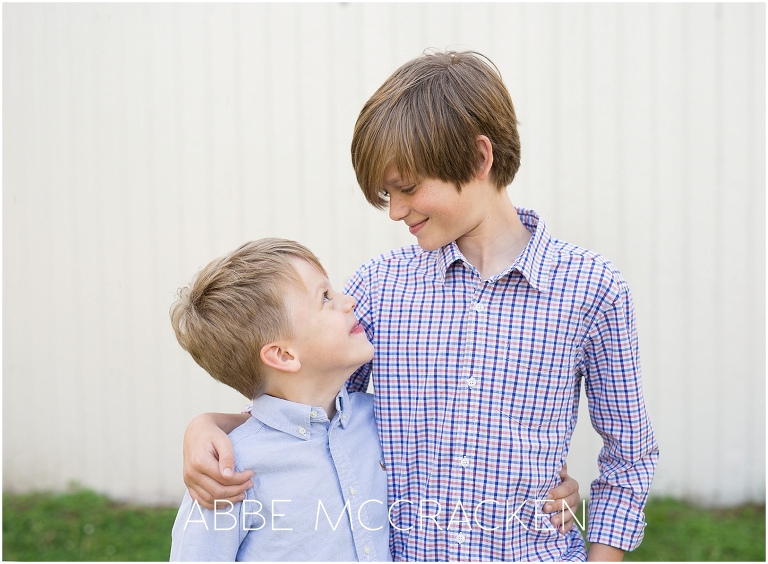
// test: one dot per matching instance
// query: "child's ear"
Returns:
(278, 356)
(485, 157)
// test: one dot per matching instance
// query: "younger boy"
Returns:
(484, 333)
(265, 321)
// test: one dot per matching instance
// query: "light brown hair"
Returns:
(425, 119)
(235, 306)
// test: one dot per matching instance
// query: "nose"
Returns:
(349, 303)
(397, 208)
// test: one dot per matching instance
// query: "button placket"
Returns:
(347, 477)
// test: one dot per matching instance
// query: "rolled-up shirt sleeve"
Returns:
(630, 452)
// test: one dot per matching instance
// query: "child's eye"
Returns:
(326, 296)
(409, 190)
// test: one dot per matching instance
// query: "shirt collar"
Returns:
(535, 260)
(446, 256)
(533, 263)
(296, 418)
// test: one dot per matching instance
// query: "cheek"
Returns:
(449, 218)
(449, 210)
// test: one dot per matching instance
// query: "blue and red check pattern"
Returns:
(477, 388)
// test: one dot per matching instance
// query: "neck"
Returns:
(497, 240)
(317, 391)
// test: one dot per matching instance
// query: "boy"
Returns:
(483, 333)
(265, 321)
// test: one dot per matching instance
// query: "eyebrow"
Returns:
(396, 181)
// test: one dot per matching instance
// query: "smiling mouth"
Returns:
(356, 328)
(416, 227)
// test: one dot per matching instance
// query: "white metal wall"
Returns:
(142, 140)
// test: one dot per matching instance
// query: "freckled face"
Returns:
(434, 210)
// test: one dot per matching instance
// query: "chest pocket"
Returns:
(538, 387)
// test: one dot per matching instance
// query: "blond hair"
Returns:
(236, 305)
(425, 119)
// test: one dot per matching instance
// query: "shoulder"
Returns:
(362, 409)
(400, 258)
(361, 401)
(389, 271)
(248, 429)
(245, 437)
(587, 272)
(362, 425)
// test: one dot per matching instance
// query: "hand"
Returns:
(209, 460)
(567, 492)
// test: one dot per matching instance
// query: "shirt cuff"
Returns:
(615, 517)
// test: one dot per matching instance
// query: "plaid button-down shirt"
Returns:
(477, 386)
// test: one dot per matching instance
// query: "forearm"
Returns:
(227, 422)
(604, 553)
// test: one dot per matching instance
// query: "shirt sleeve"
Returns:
(204, 535)
(359, 288)
(630, 453)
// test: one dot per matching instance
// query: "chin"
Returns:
(433, 237)
(432, 245)
(369, 355)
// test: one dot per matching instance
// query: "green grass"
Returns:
(680, 532)
(81, 525)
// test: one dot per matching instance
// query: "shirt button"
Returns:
(472, 382)
(352, 490)
(313, 413)
(465, 462)
(343, 416)
(367, 549)
(302, 431)
(460, 538)
(479, 307)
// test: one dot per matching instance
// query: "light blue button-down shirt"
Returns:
(319, 494)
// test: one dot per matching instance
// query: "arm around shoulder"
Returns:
(209, 459)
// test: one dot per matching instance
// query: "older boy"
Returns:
(265, 321)
(483, 334)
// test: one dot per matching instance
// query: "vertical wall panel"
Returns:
(142, 140)
(741, 215)
(672, 255)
